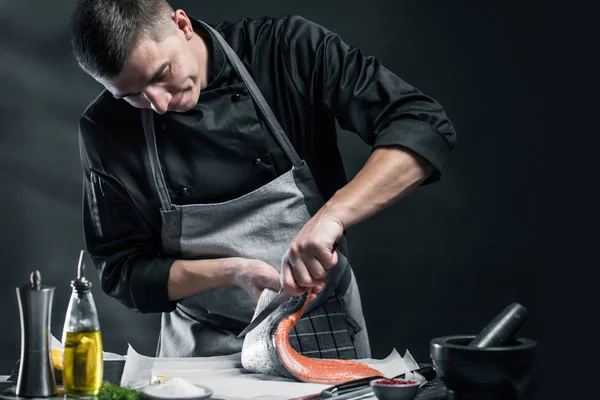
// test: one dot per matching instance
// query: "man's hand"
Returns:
(254, 276)
(310, 255)
(389, 174)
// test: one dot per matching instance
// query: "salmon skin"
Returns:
(267, 348)
(258, 350)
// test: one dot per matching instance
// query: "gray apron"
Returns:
(258, 225)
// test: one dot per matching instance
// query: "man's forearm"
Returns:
(389, 174)
(190, 277)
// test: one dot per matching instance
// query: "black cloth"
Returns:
(221, 149)
(326, 332)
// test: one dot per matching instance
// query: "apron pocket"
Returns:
(353, 326)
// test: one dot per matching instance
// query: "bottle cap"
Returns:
(36, 280)
(35, 284)
(81, 284)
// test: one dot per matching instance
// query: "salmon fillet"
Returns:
(326, 371)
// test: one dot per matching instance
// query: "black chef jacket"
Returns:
(221, 149)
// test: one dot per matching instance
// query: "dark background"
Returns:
(444, 261)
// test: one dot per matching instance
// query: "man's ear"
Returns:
(183, 23)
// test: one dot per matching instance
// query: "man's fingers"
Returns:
(334, 258)
(316, 290)
(316, 269)
(327, 258)
(301, 273)
(319, 288)
(288, 282)
(272, 282)
(304, 270)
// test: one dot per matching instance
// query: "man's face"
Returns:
(164, 75)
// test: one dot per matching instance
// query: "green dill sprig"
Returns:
(109, 391)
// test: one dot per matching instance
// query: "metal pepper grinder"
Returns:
(36, 376)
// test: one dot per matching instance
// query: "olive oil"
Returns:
(82, 359)
(82, 375)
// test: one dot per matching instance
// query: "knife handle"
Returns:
(427, 371)
(348, 386)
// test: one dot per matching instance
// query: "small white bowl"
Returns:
(406, 391)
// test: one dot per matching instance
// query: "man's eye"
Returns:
(164, 74)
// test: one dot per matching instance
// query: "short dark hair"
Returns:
(104, 32)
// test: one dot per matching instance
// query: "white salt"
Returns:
(175, 388)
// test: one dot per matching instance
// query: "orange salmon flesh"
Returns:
(326, 371)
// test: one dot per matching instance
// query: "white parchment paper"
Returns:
(228, 380)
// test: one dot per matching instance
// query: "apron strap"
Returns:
(263, 106)
(276, 128)
(157, 174)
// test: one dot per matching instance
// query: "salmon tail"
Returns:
(314, 370)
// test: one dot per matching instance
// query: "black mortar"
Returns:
(489, 366)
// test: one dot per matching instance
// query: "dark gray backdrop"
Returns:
(443, 261)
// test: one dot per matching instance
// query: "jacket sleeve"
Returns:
(124, 248)
(364, 96)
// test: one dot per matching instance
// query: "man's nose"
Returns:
(158, 98)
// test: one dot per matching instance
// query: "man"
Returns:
(212, 170)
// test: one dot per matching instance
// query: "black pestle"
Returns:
(502, 328)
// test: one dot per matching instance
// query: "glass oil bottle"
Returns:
(82, 358)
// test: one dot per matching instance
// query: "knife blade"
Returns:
(278, 300)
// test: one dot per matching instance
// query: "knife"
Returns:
(427, 371)
(361, 388)
(358, 394)
(279, 299)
